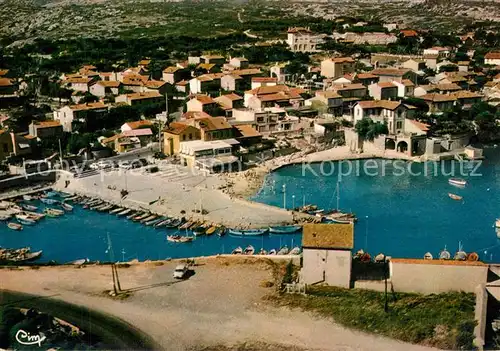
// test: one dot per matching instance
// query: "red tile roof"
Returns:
(138, 124)
(385, 104)
(204, 99)
(409, 33)
(176, 128)
(492, 56)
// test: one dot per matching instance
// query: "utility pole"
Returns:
(114, 271)
(60, 153)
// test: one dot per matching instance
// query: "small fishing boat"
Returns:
(473, 256)
(79, 262)
(64, 195)
(262, 252)
(287, 229)
(248, 232)
(26, 217)
(428, 256)
(14, 226)
(27, 197)
(148, 218)
(97, 206)
(163, 222)
(460, 255)
(124, 212)
(445, 254)
(51, 193)
(211, 230)
(221, 231)
(116, 210)
(175, 223)
(455, 197)
(283, 251)
(52, 212)
(237, 251)
(154, 221)
(72, 198)
(497, 223)
(194, 225)
(272, 252)
(179, 238)
(26, 221)
(187, 225)
(107, 207)
(18, 255)
(295, 251)
(66, 207)
(48, 201)
(34, 215)
(457, 182)
(340, 221)
(198, 231)
(29, 207)
(249, 250)
(132, 215)
(141, 217)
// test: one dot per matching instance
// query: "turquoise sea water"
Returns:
(403, 215)
(83, 234)
(407, 216)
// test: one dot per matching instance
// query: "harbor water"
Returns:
(83, 233)
(400, 215)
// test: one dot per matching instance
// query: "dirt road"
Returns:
(221, 304)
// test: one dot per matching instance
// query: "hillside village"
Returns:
(222, 108)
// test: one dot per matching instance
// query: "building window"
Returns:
(399, 124)
(190, 136)
(184, 137)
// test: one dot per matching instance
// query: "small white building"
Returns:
(67, 114)
(492, 58)
(103, 88)
(383, 111)
(438, 50)
(327, 254)
(212, 156)
(302, 39)
(258, 82)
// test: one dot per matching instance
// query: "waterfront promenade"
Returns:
(176, 191)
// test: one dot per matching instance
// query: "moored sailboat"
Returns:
(287, 229)
(248, 232)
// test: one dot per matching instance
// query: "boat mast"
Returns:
(338, 196)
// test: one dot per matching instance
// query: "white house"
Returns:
(492, 58)
(239, 62)
(205, 82)
(438, 50)
(68, 114)
(103, 88)
(383, 111)
(302, 39)
(78, 84)
(327, 254)
(258, 82)
(406, 88)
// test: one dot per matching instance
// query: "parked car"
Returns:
(126, 165)
(181, 271)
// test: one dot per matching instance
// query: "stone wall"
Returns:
(436, 276)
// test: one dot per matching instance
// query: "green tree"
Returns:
(369, 130)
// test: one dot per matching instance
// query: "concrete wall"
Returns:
(429, 277)
(331, 266)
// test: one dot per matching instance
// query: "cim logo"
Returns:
(25, 338)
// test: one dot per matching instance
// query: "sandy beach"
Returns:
(222, 304)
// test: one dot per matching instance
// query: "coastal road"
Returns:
(113, 333)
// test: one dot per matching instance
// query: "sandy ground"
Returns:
(175, 189)
(221, 304)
